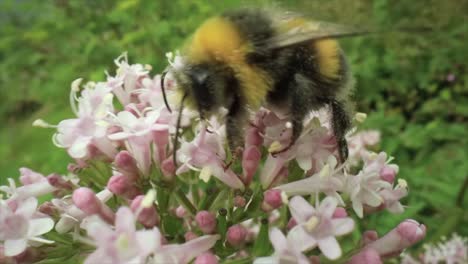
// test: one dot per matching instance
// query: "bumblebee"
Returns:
(247, 58)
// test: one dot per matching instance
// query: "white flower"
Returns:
(329, 181)
(286, 250)
(365, 186)
(90, 126)
(316, 227)
(19, 226)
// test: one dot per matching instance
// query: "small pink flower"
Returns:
(272, 200)
(364, 188)
(39, 187)
(316, 227)
(28, 176)
(128, 79)
(123, 244)
(206, 153)
(206, 221)
(137, 135)
(236, 235)
(286, 251)
(90, 126)
(20, 225)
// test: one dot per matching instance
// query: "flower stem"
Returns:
(185, 202)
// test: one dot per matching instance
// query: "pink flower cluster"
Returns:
(125, 200)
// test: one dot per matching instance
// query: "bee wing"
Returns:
(310, 30)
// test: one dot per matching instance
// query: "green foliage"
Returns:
(413, 85)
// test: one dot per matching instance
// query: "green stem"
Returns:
(461, 193)
(186, 203)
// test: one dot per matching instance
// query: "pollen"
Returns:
(275, 146)
(312, 223)
(205, 174)
(149, 199)
(122, 242)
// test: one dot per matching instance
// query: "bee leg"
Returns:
(341, 123)
(299, 107)
(235, 121)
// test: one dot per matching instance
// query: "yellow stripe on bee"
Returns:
(328, 57)
(218, 40)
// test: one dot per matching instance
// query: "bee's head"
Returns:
(205, 86)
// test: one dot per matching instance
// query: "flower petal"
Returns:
(40, 226)
(300, 209)
(267, 260)
(186, 252)
(327, 207)
(330, 247)
(124, 220)
(27, 207)
(14, 247)
(278, 240)
(342, 226)
(148, 240)
(300, 239)
(301, 187)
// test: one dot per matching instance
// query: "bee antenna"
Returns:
(179, 118)
(163, 76)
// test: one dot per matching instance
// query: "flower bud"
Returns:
(272, 199)
(369, 236)
(190, 236)
(73, 168)
(253, 137)
(180, 211)
(236, 235)
(250, 161)
(147, 216)
(126, 163)
(239, 201)
(206, 222)
(340, 212)
(206, 258)
(85, 199)
(168, 168)
(123, 186)
(48, 208)
(388, 174)
(404, 235)
(58, 182)
(29, 177)
(367, 255)
(118, 184)
(291, 223)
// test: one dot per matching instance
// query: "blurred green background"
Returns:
(414, 86)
